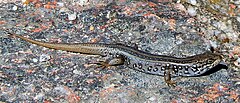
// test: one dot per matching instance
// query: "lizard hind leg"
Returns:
(110, 62)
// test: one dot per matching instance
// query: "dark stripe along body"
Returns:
(158, 64)
(140, 60)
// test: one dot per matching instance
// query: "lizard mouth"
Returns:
(223, 63)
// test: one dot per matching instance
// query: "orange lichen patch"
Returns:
(174, 101)
(149, 14)
(212, 93)
(211, 97)
(106, 92)
(151, 4)
(172, 24)
(54, 2)
(236, 50)
(233, 95)
(30, 71)
(38, 5)
(34, 1)
(128, 11)
(90, 81)
(217, 87)
(94, 40)
(17, 60)
(200, 100)
(71, 96)
(37, 30)
(65, 30)
(26, 2)
(50, 5)
(2, 22)
(47, 101)
(105, 77)
(43, 27)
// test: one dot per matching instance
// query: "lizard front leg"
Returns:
(167, 78)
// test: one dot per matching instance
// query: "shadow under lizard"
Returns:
(133, 58)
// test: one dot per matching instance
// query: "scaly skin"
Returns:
(166, 66)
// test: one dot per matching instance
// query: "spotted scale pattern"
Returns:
(140, 60)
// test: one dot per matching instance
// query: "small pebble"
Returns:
(82, 2)
(222, 25)
(91, 28)
(213, 44)
(108, 15)
(60, 4)
(39, 96)
(72, 16)
(232, 36)
(236, 50)
(56, 78)
(191, 11)
(237, 83)
(238, 19)
(180, 7)
(44, 58)
(76, 71)
(63, 10)
(204, 19)
(193, 2)
(152, 98)
(61, 90)
(35, 60)
(14, 8)
(238, 60)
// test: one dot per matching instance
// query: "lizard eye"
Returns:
(210, 61)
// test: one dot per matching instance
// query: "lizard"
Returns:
(162, 65)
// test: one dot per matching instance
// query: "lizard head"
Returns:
(213, 59)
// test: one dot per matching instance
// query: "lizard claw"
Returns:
(110, 62)
(167, 78)
(101, 64)
(170, 83)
